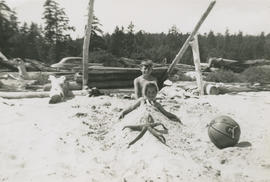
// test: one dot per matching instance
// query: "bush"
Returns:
(225, 76)
(259, 74)
(104, 57)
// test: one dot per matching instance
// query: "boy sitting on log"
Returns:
(139, 82)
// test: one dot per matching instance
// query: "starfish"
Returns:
(150, 126)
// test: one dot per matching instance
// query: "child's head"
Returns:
(150, 90)
(146, 67)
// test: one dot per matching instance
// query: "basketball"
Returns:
(224, 132)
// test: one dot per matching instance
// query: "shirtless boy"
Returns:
(139, 82)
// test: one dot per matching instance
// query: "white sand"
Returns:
(82, 140)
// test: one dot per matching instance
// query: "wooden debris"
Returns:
(22, 95)
(35, 65)
(210, 89)
(197, 62)
(235, 65)
(223, 88)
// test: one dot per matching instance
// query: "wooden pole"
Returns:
(86, 44)
(196, 58)
(186, 44)
(3, 57)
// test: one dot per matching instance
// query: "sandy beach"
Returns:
(81, 139)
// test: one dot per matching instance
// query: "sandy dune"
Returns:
(82, 140)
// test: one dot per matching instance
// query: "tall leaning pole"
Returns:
(86, 43)
(190, 38)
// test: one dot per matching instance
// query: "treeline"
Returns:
(53, 41)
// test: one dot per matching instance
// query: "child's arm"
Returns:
(137, 88)
(130, 108)
(169, 115)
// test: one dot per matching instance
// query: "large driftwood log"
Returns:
(5, 63)
(21, 95)
(130, 63)
(212, 88)
(135, 63)
(35, 65)
(235, 65)
(242, 87)
(30, 65)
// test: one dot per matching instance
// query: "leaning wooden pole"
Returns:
(197, 62)
(3, 57)
(86, 43)
(186, 44)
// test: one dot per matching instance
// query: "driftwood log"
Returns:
(34, 65)
(21, 95)
(235, 65)
(212, 88)
(242, 87)
(30, 64)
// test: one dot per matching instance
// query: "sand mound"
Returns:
(82, 140)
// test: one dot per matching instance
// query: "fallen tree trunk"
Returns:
(223, 88)
(38, 66)
(31, 64)
(235, 65)
(8, 65)
(242, 87)
(40, 76)
(22, 95)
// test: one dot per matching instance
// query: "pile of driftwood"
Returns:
(30, 64)
(234, 65)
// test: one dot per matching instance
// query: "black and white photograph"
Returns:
(134, 91)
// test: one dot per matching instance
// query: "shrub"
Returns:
(225, 76)
(102, 56)
(260, 74)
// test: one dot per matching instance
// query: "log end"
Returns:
(211, 89)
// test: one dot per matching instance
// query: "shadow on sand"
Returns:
(243, 144)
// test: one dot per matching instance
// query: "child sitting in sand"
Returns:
(146, 118)
(150, 91)
(139, 82)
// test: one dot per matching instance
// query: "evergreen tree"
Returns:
(95, 28)
(267, 47)
(259, 47)
(8, 27)
(56, 22)
(130, 42)
(56, 30)
(97, 41)
(35, 43)
(226, 45)
(117, 42)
